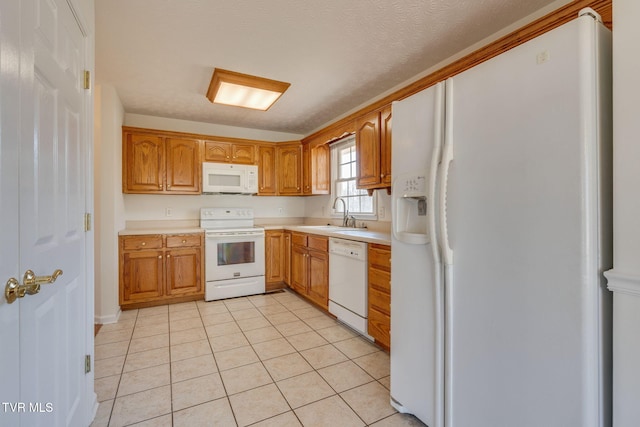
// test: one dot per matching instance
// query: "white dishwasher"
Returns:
(348, 282)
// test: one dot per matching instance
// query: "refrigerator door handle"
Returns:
(447, 158)
(436, 158)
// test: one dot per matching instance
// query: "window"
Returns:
(343, 177)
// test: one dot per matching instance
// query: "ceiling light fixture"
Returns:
(243, 90)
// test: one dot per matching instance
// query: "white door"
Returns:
(9, 238)
(43, 179)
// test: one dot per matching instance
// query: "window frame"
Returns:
(335, 166)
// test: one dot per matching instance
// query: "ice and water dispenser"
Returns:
(409, 204)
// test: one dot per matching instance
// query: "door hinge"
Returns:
(87, 222)
(87, 79)
(87, 363)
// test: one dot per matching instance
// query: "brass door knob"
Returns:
(30, 285)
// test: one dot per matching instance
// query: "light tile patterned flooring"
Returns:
(263, 360)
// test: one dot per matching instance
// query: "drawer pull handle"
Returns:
(159, 256)
(184, 241)
(143, 244)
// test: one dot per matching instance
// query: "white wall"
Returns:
(624, 279)
(109, 203)
(140, 207)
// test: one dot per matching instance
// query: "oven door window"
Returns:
(236, 253)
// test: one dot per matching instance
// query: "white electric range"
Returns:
(234, 253)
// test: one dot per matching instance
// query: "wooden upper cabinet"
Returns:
(155, 164)
(243, 153)
(316, 172)
(385, 147)
(184, 173)
(143, 164)
(289, 170)
(321, 169)
(368, 149)
(373, 148)
(228, 152)
(267, 171)
(215, 151)
(306, 169)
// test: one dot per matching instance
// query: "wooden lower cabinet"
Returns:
(379, 273)
(159, 269)
(287, 258)
(310, 267)
(275, 260)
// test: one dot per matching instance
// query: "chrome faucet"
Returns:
(345, 216)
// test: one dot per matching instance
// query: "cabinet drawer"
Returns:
(379, 326)
(380, 301)
(141, 242)
(299, 239)
(380, 257)
(380, 280)
(183, 240)
(319, 243)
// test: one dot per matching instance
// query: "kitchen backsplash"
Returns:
(267, 210)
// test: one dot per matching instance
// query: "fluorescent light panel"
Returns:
(243, 90)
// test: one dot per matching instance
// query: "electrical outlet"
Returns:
(281, 211)
(168, 212)
(381, 212)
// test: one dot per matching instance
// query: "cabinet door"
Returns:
(299, 269)
(289, 164)
(184, 169)
(142, 276)
(368, 150)
(318, 279)
(385, 147)
(306, 169)
(217, 151)
(143, 164)
(287, 258)
(183, 274)
(267, 171)
(274, 271)
(321, 169)
(243, 153)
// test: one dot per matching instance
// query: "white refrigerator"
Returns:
(501, 230)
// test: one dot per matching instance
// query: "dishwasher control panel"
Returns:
(347, 248)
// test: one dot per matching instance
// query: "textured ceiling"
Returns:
(337, 54)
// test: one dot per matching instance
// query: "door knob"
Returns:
(32, 282)
(13, 290)
(31, 285)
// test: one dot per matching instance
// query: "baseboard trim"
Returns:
(110, 318)
(623, 283)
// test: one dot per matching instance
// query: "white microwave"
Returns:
(225, 178)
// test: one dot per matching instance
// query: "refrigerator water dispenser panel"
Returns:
(410, 209)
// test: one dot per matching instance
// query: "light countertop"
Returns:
(168, 230)
(357, 234)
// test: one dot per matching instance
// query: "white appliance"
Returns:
(221, 178)
(348, 282)
(234, 253)
(501, 232)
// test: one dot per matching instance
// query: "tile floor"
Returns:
(264, 360)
